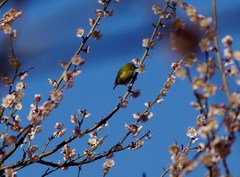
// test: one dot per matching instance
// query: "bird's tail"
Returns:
(114, 86)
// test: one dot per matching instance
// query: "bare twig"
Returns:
(3, 2)
(224, 80)
(48, 171)
(203, 111)
(228, 174)
(47, 143)
(165, 172)
(16, 70)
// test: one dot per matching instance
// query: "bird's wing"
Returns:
(118, 75)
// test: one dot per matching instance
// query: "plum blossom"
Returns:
(9, 172)
(227, 41)
(56, 95)
(80, 32)
(68, 154)
(8, 100)
(191, 132)
(77, 60)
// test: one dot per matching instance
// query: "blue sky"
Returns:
(47, 34)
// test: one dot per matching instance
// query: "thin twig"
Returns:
(203, 111)
(85, 39)
(228, 174)
(160, 93)
(57, 166)
(16, 70)
(48, 171)
(220, 65)
(79, 170)
(47, 143)
(165, 172)
(3, 2)
(146, 52)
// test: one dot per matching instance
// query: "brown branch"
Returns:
(47, 172)
(100, 123)
(60, 145)
(20, 141)
(55, 149)
(228, 174)
(195, 93)
(165, 172)
(85, 39)
(57, 166)
(3, 2)
(47, 143)
(17, 69)
(104, 120)
(160, 95)
(220, 65)
(58, 84)
(105, 154)
(146, 52)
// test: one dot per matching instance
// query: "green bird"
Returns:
(125, 74)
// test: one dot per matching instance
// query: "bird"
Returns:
(125, 74)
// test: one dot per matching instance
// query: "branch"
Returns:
(55, 149)
(228, 174)
(3, 2)
(113, 149)
(161, 93)
(224, 80)
(109, 116)
(85, 39)
(57, 85)
(146, 52)
(203, 111)
(20, 141)
(165, 172)
(100, 123)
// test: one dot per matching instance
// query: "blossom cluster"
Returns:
(68, 154)
(231, 59)
(12, 102)
(8, 18)
(38, 113)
